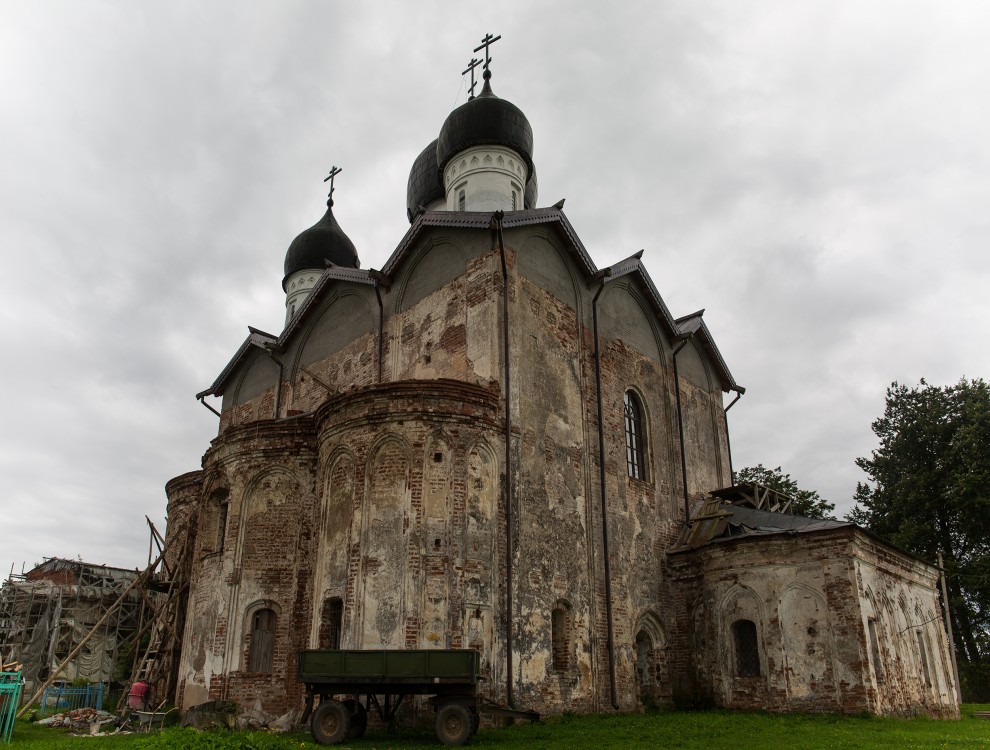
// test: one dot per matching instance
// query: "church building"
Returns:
(492, 443)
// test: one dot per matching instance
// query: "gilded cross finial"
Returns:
(334, 171)
(470, 68)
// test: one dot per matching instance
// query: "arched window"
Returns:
(262, 641)
(560, 636)
(747, 648)
(635, 466)
(330, 626)
(461, 201)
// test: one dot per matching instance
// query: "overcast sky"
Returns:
(814, 174)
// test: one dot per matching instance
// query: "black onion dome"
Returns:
(485, 120)
(424, 185)
(323, 241)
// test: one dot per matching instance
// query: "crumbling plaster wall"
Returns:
(264, 471)
(393, 493)
(909, 664)
(803, 593)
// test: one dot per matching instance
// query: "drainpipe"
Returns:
(728, 443)
(497, 227)
(680, 432)
(278, 385)
(202, 397)
(601, 478)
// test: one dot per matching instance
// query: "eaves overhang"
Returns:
(693, 326)
(256, 339)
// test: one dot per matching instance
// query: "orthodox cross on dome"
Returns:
(487, 42)
(475, 62)
(334, 171)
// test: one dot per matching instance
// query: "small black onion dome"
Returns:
(323, 241)
(424, 186)
(485, 120)
(532, 189)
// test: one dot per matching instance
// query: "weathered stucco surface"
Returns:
(380, 486)
(811, 598)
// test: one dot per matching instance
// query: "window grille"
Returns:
(634, 437)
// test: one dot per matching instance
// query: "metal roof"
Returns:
(716, 519)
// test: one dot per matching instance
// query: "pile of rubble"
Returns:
(87, 719)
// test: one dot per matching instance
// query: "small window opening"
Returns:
(292, 311)
(461, 201)
(747, 648)
(513, 200)
(262, 641)
(634, 436)
(875, 650)
(222, 524)
(437, 457)
(330, 627)
(560, 638)
(924, 657)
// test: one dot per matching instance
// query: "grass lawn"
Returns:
(691, 730)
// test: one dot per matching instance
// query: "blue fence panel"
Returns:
(59, 698)
(10, 698)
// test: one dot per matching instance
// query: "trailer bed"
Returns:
(406, 671)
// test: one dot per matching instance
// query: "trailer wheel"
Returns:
(359, 718)
(454, 724)
(331, 723)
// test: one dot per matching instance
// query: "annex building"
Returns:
(492, 443)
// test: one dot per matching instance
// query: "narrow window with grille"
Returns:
(635, 466)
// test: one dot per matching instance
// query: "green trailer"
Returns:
(342, 679)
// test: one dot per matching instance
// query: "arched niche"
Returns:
(652, 662)
(623, 314)
(806, 638)
(384, 562)
(435, 264)
(349, 313)
(544, 262)
(693, 367)
(257, 374)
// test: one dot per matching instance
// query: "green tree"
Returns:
(804, 502)
(929, 492)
